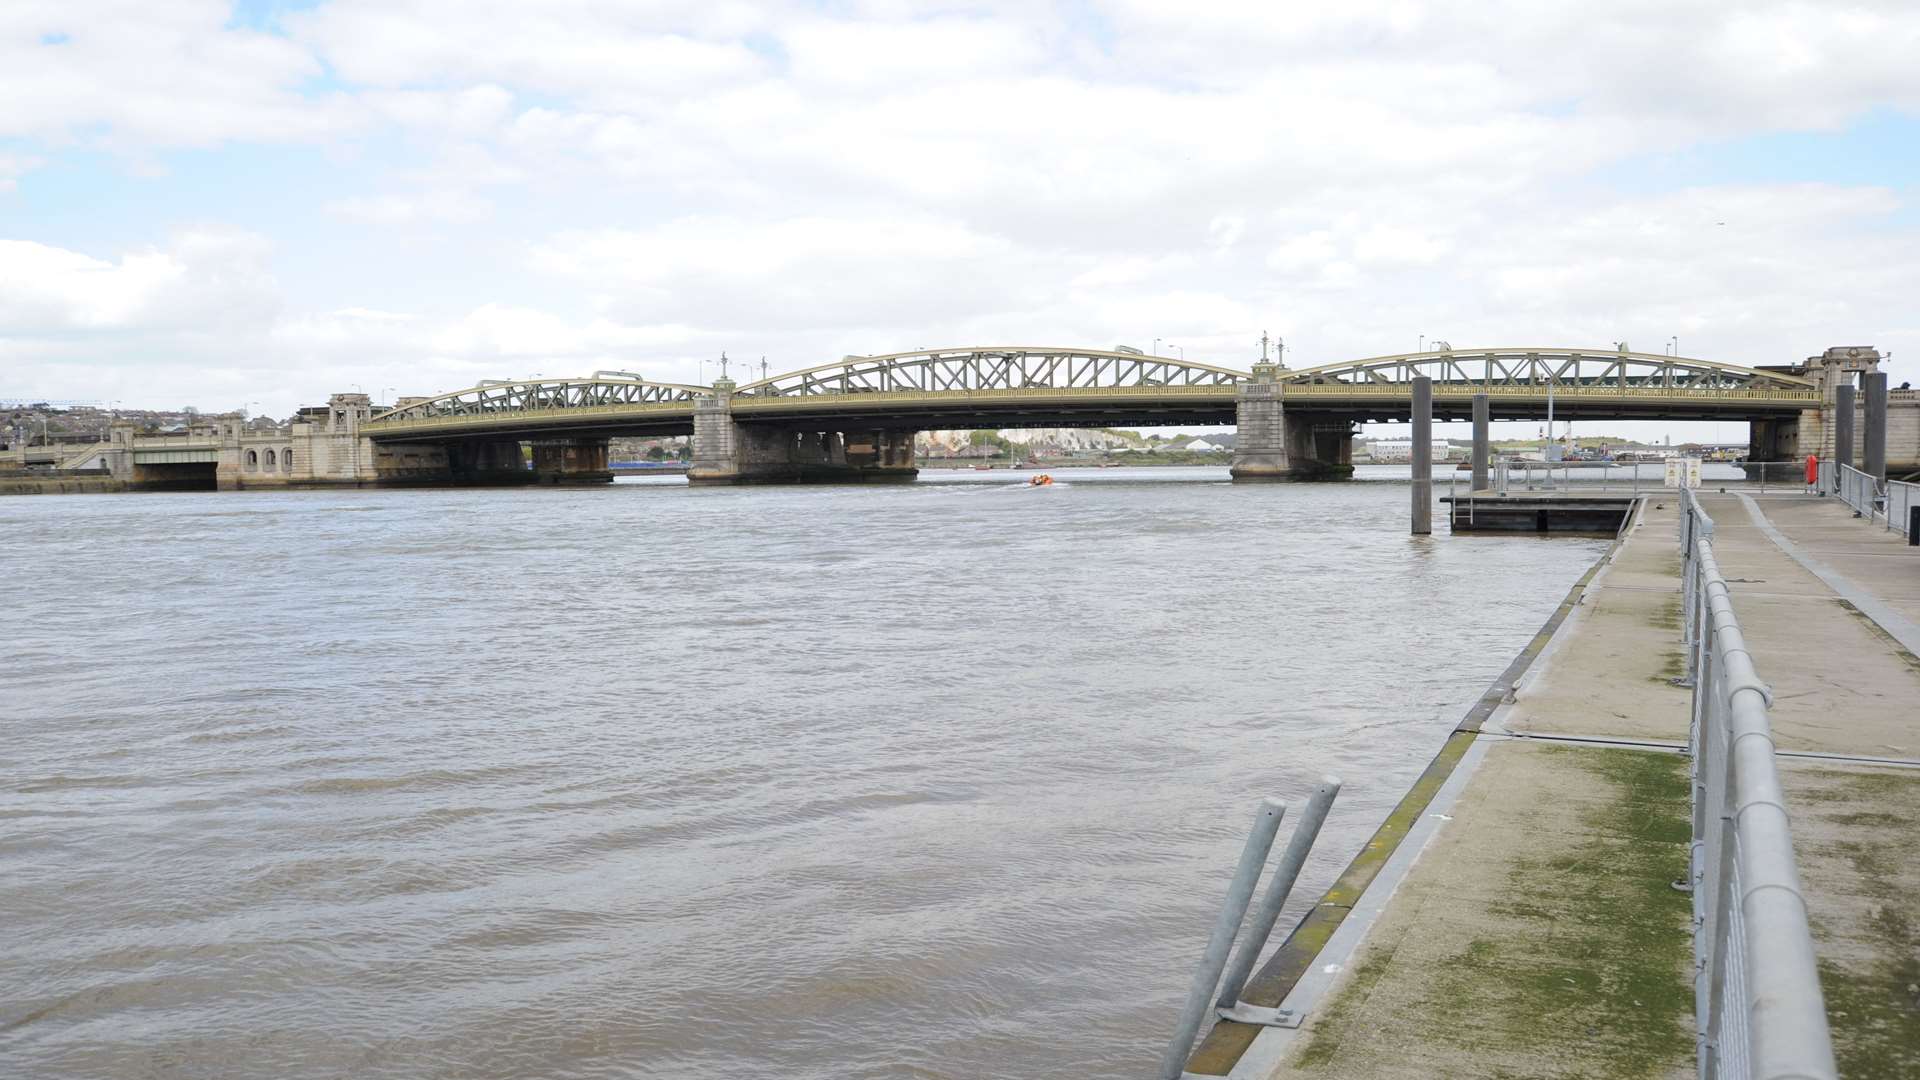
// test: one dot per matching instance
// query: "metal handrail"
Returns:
(1860, 491)
(1758, 1006)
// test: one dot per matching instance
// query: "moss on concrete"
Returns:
(1667, 617)
(1873, 998)
(1601, 990)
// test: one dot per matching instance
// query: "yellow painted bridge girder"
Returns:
(948, 383)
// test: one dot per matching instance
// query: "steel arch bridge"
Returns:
(1045, 386)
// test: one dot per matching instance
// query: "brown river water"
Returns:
(941, 780)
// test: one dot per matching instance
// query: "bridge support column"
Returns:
(1482, 445)
(716, 438)
(1874, 383)
(726, 451)
(1422, 455)
(1272, 444)
(1843, 396)
(571, 461)
(1260, 428)
(488, 461)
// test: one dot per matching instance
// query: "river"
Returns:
(940, 780)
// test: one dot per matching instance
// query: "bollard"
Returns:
(1422, 455)
(1275, 897)
(1266, 822)
(1482, 415)
(1873, 386)
(1913, 526)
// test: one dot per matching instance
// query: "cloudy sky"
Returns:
(227, 204)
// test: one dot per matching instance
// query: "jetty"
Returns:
(1679, 836)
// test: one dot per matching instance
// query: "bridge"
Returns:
(855, 419)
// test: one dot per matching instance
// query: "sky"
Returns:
(253, 205)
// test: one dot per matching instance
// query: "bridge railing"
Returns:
(1758, 1007)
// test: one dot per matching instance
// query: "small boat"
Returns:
(1042, 480)
(983, 468)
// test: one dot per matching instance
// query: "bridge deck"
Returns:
(1536, 934)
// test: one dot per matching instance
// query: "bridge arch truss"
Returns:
(1512, 368)
(1001, 368)
(536, 396)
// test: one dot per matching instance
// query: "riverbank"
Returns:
(1530, 923)
(21, 484)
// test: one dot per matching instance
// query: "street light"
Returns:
(1156, 346)
(1182, 348)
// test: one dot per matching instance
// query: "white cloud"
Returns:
(433, 206)
(199, 279)
(557, 185)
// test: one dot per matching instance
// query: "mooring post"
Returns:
(1271, 901)
(1482, 414)
(1422, 455)
(1875, 385)
(1842, 429)
(1266, 822)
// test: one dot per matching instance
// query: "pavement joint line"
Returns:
(1897, 626)
(1588, 740)
(1656, 744)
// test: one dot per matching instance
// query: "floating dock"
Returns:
(1593, 513)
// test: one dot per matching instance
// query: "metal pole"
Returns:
(1482, 414)
(1875, 385)
(1275, 897)
(1266, 822)
(1843, 426)
(1422, 455)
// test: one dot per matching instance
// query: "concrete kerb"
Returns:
(1308, 949)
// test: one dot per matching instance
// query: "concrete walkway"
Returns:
(1539, 933)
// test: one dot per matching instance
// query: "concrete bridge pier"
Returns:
(1260, 425)
(728, 451)
(1270, 444)
(571, 461)
(488, 461)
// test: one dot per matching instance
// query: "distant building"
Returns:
(1402, 450)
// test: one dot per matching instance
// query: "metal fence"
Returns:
(1757, 1001)
(1860, 491)
(1890, 502)
(1900, 500)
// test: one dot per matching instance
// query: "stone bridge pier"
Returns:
(728, 451)
(571, 461)
(1273, 444)
(488, 461)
